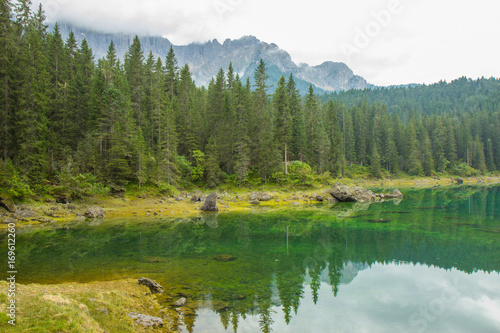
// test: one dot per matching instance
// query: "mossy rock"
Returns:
(224, 257)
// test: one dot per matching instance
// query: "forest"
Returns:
(70, 122)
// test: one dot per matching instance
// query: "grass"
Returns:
(78, 307)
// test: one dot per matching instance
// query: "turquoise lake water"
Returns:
(429, 263)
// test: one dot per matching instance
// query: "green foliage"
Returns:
(12, 183)
(462, 169)
(144, 121)
(198, 169)
(167, 189)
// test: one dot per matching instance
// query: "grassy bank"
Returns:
(149, 203)
(83, 307)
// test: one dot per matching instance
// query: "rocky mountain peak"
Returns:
(205, 59)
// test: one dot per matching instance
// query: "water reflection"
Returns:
(322, 268)
(385, 298)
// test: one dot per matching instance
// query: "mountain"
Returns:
(245, 53)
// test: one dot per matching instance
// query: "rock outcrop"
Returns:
(153, 286)
(210, 204)
(94, 212)
(146, 321)
(344, 193)
(260, 196)
(7, 205)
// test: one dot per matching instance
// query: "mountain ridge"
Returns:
(205, 59)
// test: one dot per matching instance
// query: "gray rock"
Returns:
(8, 220)
(154, 287)
(146, 321)
(344, 193)
(351, 194)
(180, 302)
(24, 213)
(210, 204)
(105, 311)
(94, 212)
(197, 197)
(260, 196)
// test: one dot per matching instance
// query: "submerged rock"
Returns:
(210, 204)
(154, 287)
(146, 321)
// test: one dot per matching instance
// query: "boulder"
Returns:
(154, 287)
(317, 198)
(94, 212)
(24, 213)
(351, 194)
(7, 205)
(459, 181)
(198, 197)
(260, 196)
(9, 220)
(396, 194)
(180, 302)
(344, 193)
(210, 204)
(146, 321)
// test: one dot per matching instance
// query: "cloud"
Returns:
(426, 41)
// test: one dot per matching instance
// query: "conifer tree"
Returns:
(134, 69)
(7, 79)
(284, 120)
(297, 144)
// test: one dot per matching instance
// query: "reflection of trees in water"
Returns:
(267, 275)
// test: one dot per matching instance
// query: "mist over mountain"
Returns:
(245, 53)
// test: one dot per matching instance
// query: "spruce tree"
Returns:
(284, 120)
(7, 79)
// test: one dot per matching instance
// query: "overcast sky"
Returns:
(385, 41)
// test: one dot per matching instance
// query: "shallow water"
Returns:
(427, 264)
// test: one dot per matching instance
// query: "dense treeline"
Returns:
(71, 121)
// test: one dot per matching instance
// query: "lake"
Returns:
(429, 263)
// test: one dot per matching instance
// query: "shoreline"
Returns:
(237, 199)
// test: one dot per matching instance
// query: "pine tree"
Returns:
(335, 155)
(284, 120)
(134, 69)
(212, 168)
(490, 162)
(427, 159)
(242, 146)
(349, 138)
(478, 158)
(263, 151)
(412, 154)
(375, 162)
(31, 115)
(297, 144)
(311, 114)
(439, 142)
(83, 87)
(7, 78)
(171, 71)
